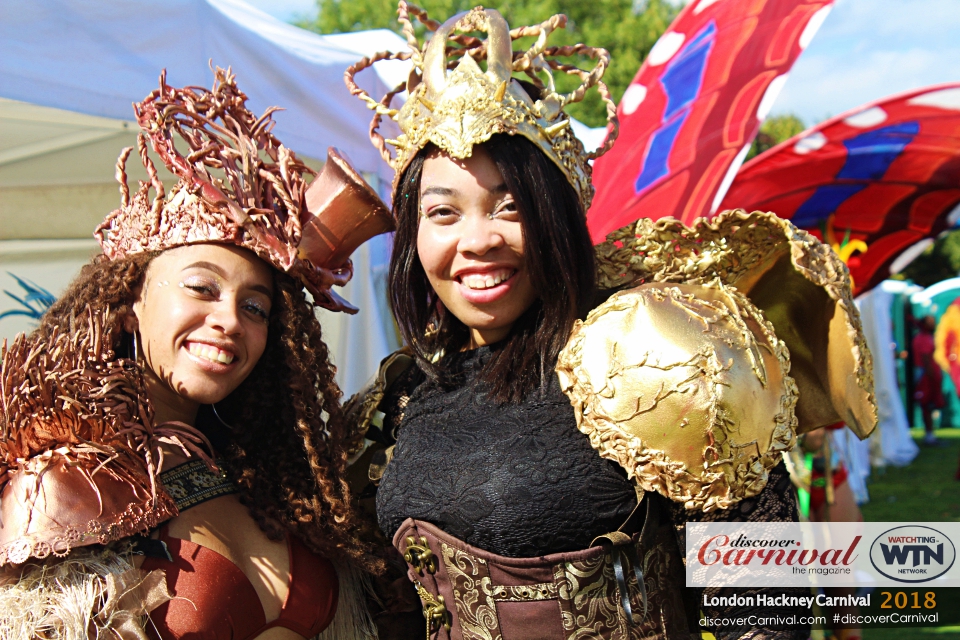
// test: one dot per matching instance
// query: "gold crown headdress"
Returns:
(454, 104)
(239, 185)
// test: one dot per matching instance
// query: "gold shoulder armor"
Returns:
(800, 284)
(686, 387)
(370, 450)
(735, 336)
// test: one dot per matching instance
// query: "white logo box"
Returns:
(825, 554)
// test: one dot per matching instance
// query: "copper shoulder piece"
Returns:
(79, 450)
(799, 284)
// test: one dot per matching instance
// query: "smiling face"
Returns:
(470, 243)
(202, 315)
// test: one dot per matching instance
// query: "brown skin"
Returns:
(198, 302)
(196, 299)
(469, 238)
(287, 454)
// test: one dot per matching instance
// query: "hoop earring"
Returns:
(214, 407)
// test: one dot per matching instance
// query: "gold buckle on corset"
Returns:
(434, 610)
(419, 556)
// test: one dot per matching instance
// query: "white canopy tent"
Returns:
(96, 57)
(69, 71)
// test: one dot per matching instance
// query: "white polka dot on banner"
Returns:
(953, 218)
(728, 178)
(866, 118)
(703, 5)
(632, 98)
(770, 96)
(810, 143)
(816, 21)
(944, 99)
(665, 48)
(908, 255)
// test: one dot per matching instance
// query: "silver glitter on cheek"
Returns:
(163, 284)
(181, 285)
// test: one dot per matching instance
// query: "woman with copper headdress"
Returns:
(173, 450)
(561, 411)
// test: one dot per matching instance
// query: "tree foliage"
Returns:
(626, 28)
(775, 130)
(939, 262)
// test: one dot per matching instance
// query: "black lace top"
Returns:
(522, 480)
(518, 480)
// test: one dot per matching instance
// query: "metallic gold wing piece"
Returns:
(799, 284)
(686, 387)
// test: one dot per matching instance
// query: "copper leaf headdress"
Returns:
(238, 184)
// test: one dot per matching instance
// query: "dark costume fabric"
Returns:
(776, 503)
(497, 487)
(517, 480)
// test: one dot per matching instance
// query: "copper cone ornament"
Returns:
(347, 214)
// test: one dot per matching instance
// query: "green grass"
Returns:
(933, 633)
(923, 491)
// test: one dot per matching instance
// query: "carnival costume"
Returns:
(80, 449)
(716, 346)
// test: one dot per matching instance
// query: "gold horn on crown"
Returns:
(455, 105)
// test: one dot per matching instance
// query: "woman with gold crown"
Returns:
(173, 449)
(561, 411)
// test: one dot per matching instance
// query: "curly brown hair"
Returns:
(289, 457)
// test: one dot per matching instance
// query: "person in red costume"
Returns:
(929, 388)
(173, 449)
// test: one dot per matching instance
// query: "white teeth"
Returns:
(210, 353)
(485, 281)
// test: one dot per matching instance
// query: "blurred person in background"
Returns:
(928, 391)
